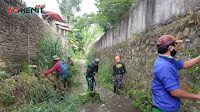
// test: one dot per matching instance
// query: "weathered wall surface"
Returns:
(145, 15)
(140, 52)
(19, 35)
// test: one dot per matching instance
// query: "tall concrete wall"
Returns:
(19, 35)
(139, 55)
(145, 15)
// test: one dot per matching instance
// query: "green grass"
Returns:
(105, 74)
(141, 100)
(90, 55)
(18, 90)
(3, 75)
(58, 102)
(28, 92)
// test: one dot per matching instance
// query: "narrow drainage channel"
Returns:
(113, 102)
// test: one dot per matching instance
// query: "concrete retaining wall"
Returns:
(145, 15)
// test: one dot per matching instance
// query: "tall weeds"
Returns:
(27, 90)
(105, 74)
(49, 46)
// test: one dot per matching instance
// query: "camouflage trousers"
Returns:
(90, 82)
(118, 81)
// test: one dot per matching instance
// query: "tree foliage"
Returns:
(85, 21)
(111, 11)
(68, 8)
(84, 24)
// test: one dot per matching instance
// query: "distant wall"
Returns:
(144, 15)
(19, 35)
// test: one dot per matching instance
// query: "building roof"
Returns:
(64, 28)
(57, 18)
(61, 24)
(52, 15)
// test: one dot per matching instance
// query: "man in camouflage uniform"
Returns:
(118, 70)
(92, 71)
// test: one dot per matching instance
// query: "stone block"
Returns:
(186, 31)
(179, 36)
(185, 84)
(192, 109)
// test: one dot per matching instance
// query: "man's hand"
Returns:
(95, 77)
(112, 77)
(184, 95)
(199, 96)
(191, 62)
(42, 75)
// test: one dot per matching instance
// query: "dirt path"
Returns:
(113, 102)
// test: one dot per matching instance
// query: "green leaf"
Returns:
(190, 22)
(13, 111)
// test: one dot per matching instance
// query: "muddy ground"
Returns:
(112, 102)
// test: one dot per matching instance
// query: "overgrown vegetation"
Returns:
(141, 100)
(17, 90)
(105, 74)
(90, 55)
(111, 11)
(58, 102)
(49, 46)
(28, 92)
(3, 75)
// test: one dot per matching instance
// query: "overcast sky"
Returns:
(87, 6)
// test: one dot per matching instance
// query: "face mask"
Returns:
(173, 53)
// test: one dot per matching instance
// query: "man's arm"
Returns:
(184, 95)
(56, 66)
(113, 72)
(124, 69)
(191, 62)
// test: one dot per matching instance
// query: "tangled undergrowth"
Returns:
(28, 92)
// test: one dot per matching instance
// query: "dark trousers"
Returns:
(118, 80)
(64, 80)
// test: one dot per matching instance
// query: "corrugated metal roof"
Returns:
(61, 24)
(57, 18)
(64, 28)
(52, 15)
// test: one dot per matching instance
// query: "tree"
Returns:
(85, 21)
(111, 11)
(71, 37)
(68, 8)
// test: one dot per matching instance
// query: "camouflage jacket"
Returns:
(91, 69)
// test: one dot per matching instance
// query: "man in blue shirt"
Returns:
(165, 84)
